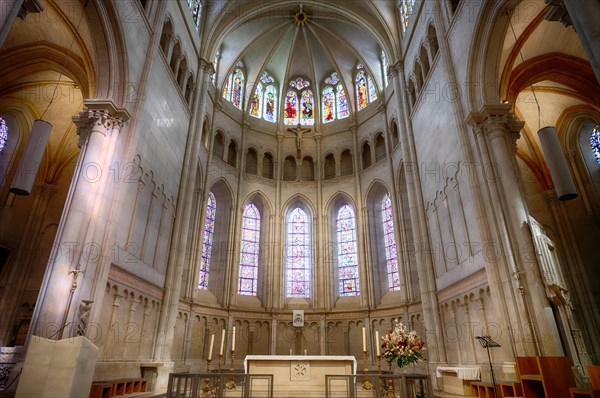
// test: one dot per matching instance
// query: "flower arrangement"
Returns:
(402, 347)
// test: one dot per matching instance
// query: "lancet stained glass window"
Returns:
(328, 99)
(297, 257)
(308, 105)
(366, 91)
(270, 104)
(391, 254)
(3, 134)
(406, 9)
(249, 251)
(595, 142)
(256, 103)
(209, 229)
(342, 103)
(290, 113)
(347, 252)
(195, 7)
(234, 87)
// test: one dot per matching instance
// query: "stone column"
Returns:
(501, 133)
(9, 10)
(584, 15)
(278, 291)
(80, 245)
(321, 266)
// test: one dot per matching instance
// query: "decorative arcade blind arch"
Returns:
(348, 280)
(248, 279)
(391, 255)
(298, 255)
(209, 229)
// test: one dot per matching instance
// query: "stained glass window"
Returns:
(391, 254)
(372, 89)
(595, 142)
(291, 115)
(347, 252)
(227, 88)
(333, 79)
(249, 251)
(406, 9)
(195, 7)
(342, 103)
(366, 91)
(361, 90)
(266, 79)
(209, 229)
(328, 99)
(3, 134)
(308, 105)
(256, 102)
(270, 104)
(384, 65)
(297, 259)
(236, 89)
(299, 83)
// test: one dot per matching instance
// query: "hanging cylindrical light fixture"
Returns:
(31, 158)
(557, 164)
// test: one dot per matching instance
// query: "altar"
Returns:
(299, 375)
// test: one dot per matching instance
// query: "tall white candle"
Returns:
(222, 342)
(212, 342)
(364, 339)
(377, 342)
(233, 340)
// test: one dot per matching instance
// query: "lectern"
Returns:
(487, 342)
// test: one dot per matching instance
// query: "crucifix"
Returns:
(298, 131)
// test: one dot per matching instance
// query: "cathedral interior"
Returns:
(219, 164)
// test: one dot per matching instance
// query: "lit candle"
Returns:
(222, 342)
(377, 342)
(364, 339)
(233, 340)
(212, 341)
(304, 352)
(290, 351)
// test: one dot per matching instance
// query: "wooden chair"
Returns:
(594, 392)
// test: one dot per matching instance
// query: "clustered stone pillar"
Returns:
(79, 258)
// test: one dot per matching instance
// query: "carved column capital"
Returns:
(101, 116)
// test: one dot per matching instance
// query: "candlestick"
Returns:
(364, 340)
(231, 383)
(367, 385)
(219, 363)
(206, 388)
(233, 340)
(212, 341)
(222, 342)
(377, 342)
(381, 381)
(290, 351)
(390, 390)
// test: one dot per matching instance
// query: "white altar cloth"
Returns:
(298, 358)
(462, 372)
(300, 376)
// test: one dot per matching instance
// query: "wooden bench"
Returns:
(482, 390)
(112, 388)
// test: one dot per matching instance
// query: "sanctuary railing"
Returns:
(378, 386)
(219, 385)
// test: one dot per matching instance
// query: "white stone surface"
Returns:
(62, 368)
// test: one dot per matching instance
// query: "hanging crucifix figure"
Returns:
(298, 131)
